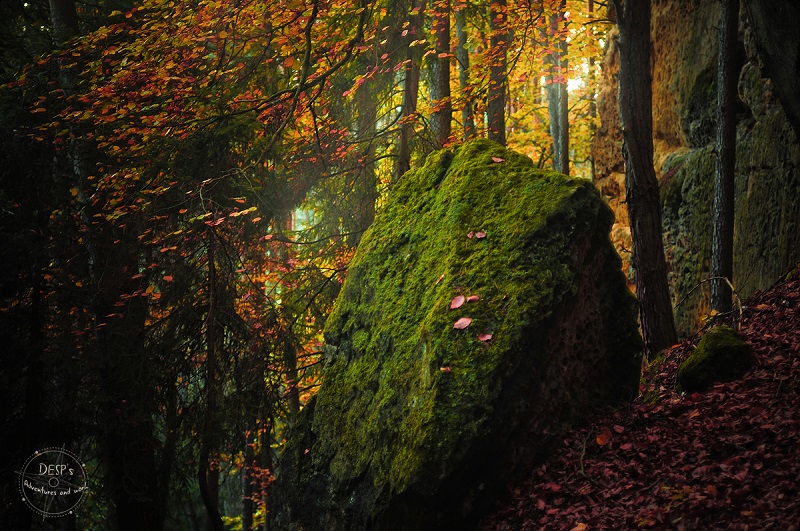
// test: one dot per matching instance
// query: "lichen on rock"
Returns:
(721, 355)
(417, 420)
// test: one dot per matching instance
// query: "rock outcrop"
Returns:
(484, 310)
(721, 355)
(767, 239)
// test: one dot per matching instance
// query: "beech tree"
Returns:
(557, 98)
(644, 210)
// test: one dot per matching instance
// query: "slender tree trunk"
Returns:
(410, 94)
(367, 181)
(208, 476)
(557, 99)
(442, 116)
(462, 55)
(644, 211)
(496, 102)
(725, 161)
(592, 98)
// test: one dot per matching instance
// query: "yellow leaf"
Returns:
(223, 34)
(73, 191)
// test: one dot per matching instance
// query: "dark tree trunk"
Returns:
(725, 161)
(557, 94)
(462, 54)
(442, 116)
(409, 104)
(367, 182)
(592, 99)
(208, 476)
(496, 102)
(644, 211)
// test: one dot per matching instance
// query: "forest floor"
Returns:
(728, 458)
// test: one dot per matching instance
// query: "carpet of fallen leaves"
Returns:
(728, 458)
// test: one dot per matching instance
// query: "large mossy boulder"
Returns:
(721, 355)
(419, 420)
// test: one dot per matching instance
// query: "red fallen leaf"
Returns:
(462, 323)
(625, 447)
(470, 234)
(485, 337)
(168, 278)
(498, 159)
(540, 504)
(762, 307)
(473, 298)
(618, 428)
(480, 234)
(457, 302)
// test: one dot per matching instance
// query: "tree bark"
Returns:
(725, 160)
(557, 99)
(462, 54)
(496, 102)
(409, 104)
(644, 210)
(207, 476)
(441, 118)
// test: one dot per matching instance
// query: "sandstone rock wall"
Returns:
(684, 50)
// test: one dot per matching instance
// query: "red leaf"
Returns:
(498, 159)
(462, 323)
(469, 234)
(168, 278)
(457, 302)
(480, 234)
(618, 428)
(473, 298)
(540, 504)
(485, 337)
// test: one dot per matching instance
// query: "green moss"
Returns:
(720, 356)
(405, 393)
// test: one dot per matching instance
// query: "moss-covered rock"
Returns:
(417, 422)
(721, 355)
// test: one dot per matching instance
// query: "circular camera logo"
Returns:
(53, 482)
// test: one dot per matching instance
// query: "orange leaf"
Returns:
(168, 278)
(604, 437)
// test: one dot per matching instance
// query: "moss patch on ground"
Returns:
(722, 355)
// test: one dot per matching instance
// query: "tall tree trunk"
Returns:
(496, 102)
(644, 211)
(557, 100)
(367, 181)
(462, 55)
(441, 118)
(208, 475)
(725, 160)
(410, 94)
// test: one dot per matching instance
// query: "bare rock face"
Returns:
(484, 310)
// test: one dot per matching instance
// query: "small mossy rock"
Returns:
(721, 355)
(417, 422)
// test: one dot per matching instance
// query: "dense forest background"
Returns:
(184, 183)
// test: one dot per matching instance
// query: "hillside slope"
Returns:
(728, 458)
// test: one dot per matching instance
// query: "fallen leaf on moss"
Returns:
(457, 302)
(462, 323)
